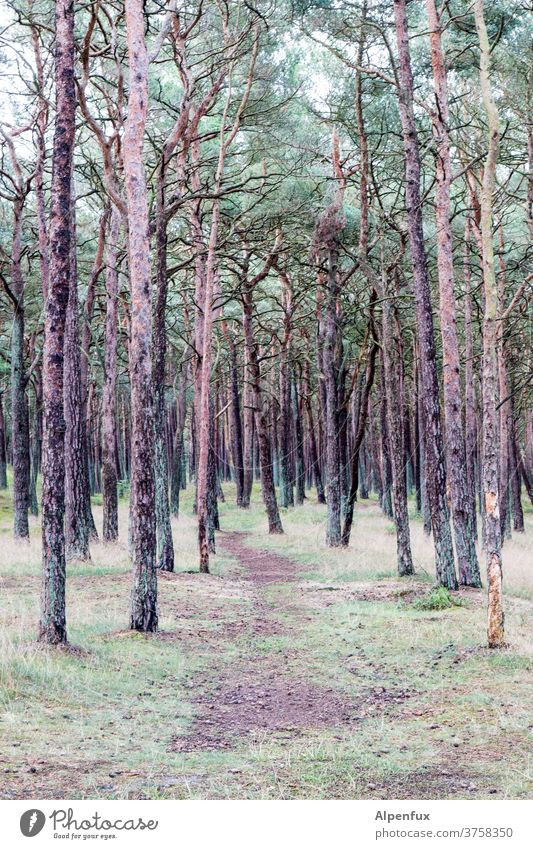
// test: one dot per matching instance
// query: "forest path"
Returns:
(264, 688)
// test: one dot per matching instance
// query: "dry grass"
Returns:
(100, 723)
(372, 551)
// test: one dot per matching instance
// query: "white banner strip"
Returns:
(276, 824)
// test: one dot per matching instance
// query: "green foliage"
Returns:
(439, 598)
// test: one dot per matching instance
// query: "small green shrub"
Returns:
(438, 599)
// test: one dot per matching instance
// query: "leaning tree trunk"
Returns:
(53, 626)
(143, 526)
(109, 402)
(433, 442)
(495, 629)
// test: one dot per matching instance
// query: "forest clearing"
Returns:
(311, 675)
(266, 432)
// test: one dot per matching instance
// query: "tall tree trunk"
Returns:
(204, 438)
(463, 526)
(386, 468)
(395, 431)
(299, 459)
(36, 440)
(236, 424)
(470, 400)
(178, 449)
(495, 628)
(20, 435)
(417, 454)
(505, 413)
(53, 627)
(76, 487)
(433, 442)
(516, 483)
(143, 524)
(286, 494)
(361, 425)
(333, 468)
(165, 545)
(3, 454)
(248, 432)
(313, 449)
(85, 361)
(267, 480)
(109, 402)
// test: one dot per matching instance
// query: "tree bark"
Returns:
(165, 545)
(516, 482)
(53, 627)
(143, 524)
(313, 449)
(333, 468)
(433, 442)
(20, 435)
(267, 480)
(495, 628)
(361, 426)
(236, 423)
(465, 548)
(299, 459)
(395, 432)
(3, 455)
(76, 486)
(470, 399)
(109, 414)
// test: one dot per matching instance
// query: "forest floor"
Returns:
(292, 671)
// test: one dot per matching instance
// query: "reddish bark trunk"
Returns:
(109, 416)
(20, 435)
(143, 526)
(470, 399)
(53, 627)
(465, 548)
(433, 442)
(76, 485)
(3, 455)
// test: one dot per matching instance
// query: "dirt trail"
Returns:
(266, 692)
